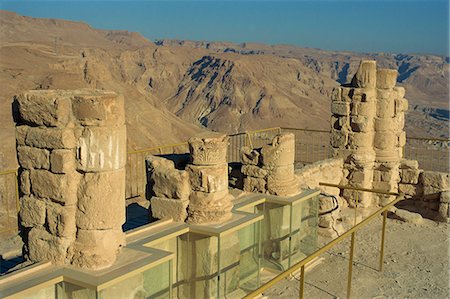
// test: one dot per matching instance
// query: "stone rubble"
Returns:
(72, 150)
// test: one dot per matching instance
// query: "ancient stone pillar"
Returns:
(209, 200)
(72, 150)
(390, 137)
(367, 131)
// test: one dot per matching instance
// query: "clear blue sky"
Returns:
(363, 26)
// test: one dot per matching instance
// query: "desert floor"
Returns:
(416, 265)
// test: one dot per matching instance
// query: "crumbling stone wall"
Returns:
(271, 169)
(71, 148)
(367, 131)
(428, 191)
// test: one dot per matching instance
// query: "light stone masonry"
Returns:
(72, 152)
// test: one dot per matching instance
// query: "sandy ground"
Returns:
(416, 265)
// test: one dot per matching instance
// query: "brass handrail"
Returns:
(301, 265)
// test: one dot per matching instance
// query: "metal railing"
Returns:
(351, 232)
(9, 201)
(314, 145)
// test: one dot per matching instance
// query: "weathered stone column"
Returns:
(72, 150)
(389, 135)
(209, 200)
(367, 131)
(271, 168)
(353, 111)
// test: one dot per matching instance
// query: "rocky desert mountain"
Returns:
(176, 88)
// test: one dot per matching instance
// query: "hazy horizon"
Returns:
(390, 26)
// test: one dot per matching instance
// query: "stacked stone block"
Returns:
(170, 187)
(271, 169)
(367, 131)
(208, 175)
(71, 149)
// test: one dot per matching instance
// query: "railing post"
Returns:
(383, 233)
(302, 282)
(350, 266)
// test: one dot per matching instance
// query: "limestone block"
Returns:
(50, 138)
(99, 108)
(211, 178)
(366, 75)
(101, 200)
(434, 182)
(208, 148)
(363, 94)
(338, 138)
(169, 182)
(443, 212)
(30, 157)
(336, 94)
(163, 208)
(409, 164)
(96, 249)
(390, 175)
(410, 176)
(44, 108)
(21, 134)
(361, 124)
(340, 122)
(385, 140)
(57, 187)
(386, 78)
(384, 124)
(360, 139)
(249, 156)
(283, 188)
(254, 171)
(357, 198)
(61, 220)
(280, 152)
(409, 190)
(25, 184)
(364, 176)
(386, 186)
(32, 211)
(209, 207)
(62, 161)
(345, 94)
(43, 246)
(445, 197)
(399, 122)
(385, 108)
(389, 155)
(340, 108)
(401, 105)
(282, 173)
(367, 109)
(363, 158)
(102, 149)
(400, 92)
(386, 94)
(407, 216)
(257, 185)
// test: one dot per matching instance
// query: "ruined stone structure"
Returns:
(271, 169)
(367, 131)
(170, 187)
(199, 192)
(72, 150)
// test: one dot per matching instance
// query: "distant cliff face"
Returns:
(175, 88)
